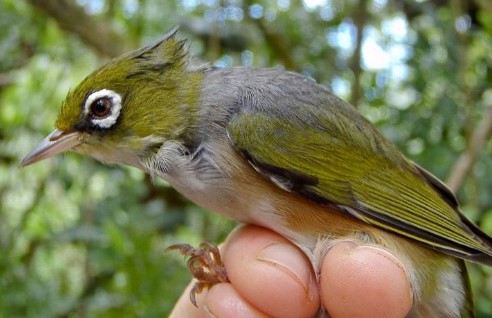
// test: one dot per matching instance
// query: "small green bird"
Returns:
(273, 148)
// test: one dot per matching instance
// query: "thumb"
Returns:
(365, 282)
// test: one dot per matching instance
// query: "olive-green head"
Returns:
(130, 106)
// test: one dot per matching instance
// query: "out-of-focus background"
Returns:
(80, 239)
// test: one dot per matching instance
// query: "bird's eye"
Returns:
(101, 107)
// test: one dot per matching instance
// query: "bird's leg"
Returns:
(205, 264)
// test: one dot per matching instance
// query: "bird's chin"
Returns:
(111, 156)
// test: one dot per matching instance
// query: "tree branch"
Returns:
(466, 161)
(74, 19)
(485, 5)
(360, 20)
(276, 42)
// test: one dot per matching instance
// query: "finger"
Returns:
(364, 282)
(271, 273)
(184, 306)
(223, 300)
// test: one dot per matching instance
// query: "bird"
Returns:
(272, 147)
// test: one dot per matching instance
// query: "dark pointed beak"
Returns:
(55, 143)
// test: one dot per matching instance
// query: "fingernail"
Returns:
(289, 260)
(208, 312)
(389, 256)
(347, 245)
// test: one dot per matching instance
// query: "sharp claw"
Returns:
(182, 248)
(195, 290)
(205, 264)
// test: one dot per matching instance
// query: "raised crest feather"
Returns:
(167, 53)
(170, 34)
(166, 47)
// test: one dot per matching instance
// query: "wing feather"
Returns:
(334, 156)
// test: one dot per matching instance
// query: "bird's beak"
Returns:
(55, 143)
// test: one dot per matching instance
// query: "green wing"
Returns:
(333, 156)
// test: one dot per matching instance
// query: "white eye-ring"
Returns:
(104, 107)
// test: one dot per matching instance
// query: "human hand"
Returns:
(270, 277)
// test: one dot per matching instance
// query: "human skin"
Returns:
(270, 277)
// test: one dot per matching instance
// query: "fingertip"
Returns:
(271, 273)
(364, 282)
(184, 306)
(224, 301)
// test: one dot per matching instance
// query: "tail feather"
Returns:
(484, 256)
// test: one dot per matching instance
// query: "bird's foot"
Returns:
(205, 264)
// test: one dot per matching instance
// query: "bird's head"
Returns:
(123, 112)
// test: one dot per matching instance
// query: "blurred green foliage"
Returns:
(81, 239)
